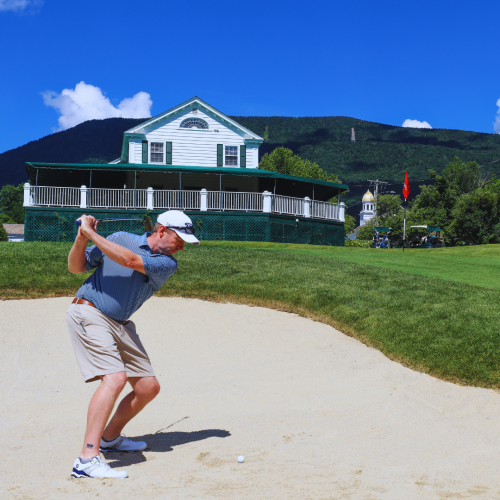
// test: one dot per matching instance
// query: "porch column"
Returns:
(203, 200)
(307, 206)
(28, 202)
(267, 202)
(342, 212)
(83, 196)
(150, 198)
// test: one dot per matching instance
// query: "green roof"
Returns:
(323, 189)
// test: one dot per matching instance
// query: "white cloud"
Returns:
(19, 5)
(415, 124)
(496, 125)
(86, 102)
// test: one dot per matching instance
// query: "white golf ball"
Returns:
(241, 459)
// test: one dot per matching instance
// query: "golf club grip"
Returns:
(79, 222)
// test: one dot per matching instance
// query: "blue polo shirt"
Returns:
(119, 291)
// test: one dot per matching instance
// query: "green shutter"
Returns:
(145, 152)
(219, 155)
(168, 146)
(243, 156)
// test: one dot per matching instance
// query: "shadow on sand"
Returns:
(161, 442)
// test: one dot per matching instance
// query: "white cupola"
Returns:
(368, 211)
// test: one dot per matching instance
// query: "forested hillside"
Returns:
(380, 151)
(94, 139)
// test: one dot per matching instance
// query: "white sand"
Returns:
(316, 414)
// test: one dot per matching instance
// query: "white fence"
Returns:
(325, 210)
(177, 200)
(180, 200)
(55, 196)
(248, 202)
(289, 206)
(117, 198)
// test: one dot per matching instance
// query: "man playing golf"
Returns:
(128, 270)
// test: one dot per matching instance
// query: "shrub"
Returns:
(3, 234)
(5, 219)
(358, 243)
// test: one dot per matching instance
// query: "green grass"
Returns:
(444, 327)
(474, 265)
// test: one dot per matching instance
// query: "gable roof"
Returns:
(202, 104)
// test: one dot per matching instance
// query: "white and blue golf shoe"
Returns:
(122, 443)
(96, 468)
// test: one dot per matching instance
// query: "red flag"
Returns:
(406, 186)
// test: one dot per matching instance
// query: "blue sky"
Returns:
(388, 61)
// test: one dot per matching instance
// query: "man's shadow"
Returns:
(161, 442)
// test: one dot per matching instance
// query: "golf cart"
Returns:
(381, 240)
(418, 239)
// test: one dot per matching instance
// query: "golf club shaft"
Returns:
(78, 222)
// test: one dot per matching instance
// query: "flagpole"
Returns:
(404, 229)
(406, 192)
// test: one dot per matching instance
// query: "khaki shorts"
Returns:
(103, 346)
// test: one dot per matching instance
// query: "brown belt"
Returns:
(76, 300)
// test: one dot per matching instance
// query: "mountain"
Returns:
(380, 151)
(94, 139)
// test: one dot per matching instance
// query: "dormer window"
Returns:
(194, 123)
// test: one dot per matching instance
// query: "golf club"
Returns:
(148, 223)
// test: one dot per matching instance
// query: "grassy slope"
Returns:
(443, 327)
(474, 265)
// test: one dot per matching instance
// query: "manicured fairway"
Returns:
(440, 326)
(475, 265)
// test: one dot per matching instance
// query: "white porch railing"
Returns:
(116, 198)
(289, 206)
(249, 202)
(176, 200)
(47, 196)
(325, 210)
(181, 200)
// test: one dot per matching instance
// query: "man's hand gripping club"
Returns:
(117, 253)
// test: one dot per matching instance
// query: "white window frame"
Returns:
(164, 152)
(237, 156)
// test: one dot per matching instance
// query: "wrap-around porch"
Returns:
(266, 192)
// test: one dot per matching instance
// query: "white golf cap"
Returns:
(180, 223)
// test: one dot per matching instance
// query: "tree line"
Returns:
(463, 201)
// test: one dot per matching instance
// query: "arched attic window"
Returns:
(194, 123)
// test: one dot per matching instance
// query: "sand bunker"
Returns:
(315, 413)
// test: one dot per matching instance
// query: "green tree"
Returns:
(283, 161)
(5, 219)
(436, 203)
(11, 202)
(349, 224)
(365, 232)
(3, 234)
(476, 218)
(389, 205)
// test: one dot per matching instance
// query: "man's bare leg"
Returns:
(145, 389)
(100, 408)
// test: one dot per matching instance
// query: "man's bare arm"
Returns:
(116, 253)
(76, 257)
